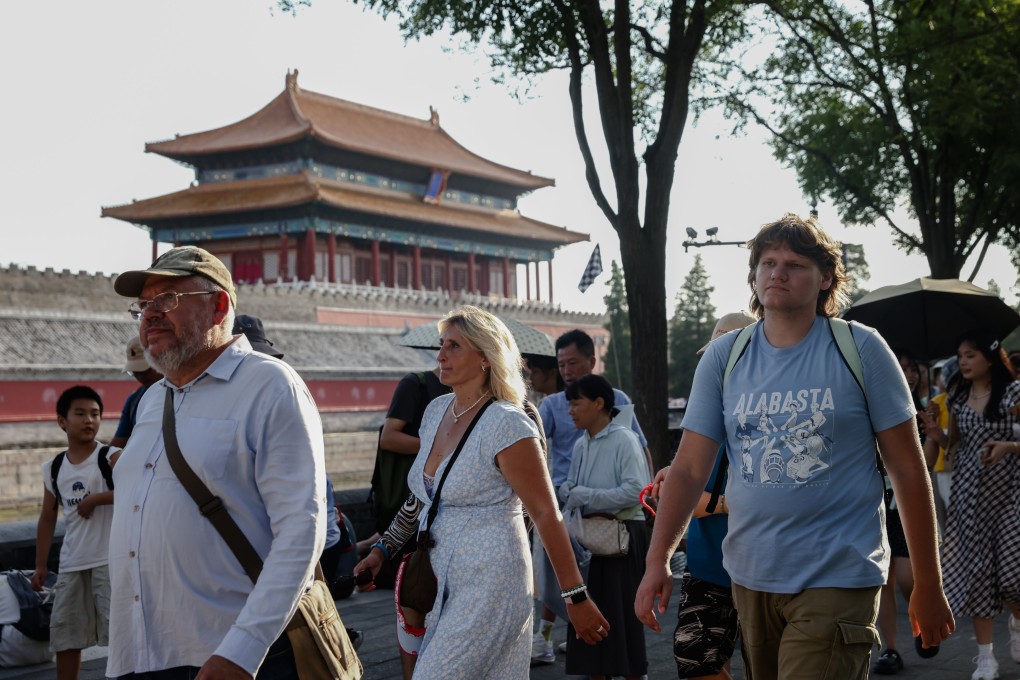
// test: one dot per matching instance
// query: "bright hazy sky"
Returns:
(88, 83)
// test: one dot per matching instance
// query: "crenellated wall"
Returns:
(30, 288)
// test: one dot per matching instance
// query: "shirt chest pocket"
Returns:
(208, 445)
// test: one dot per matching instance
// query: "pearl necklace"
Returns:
(458, 416)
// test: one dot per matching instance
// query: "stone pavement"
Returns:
(373, 614)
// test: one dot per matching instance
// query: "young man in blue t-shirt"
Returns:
(806, 547)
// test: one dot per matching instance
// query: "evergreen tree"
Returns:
(857, 268)
(690, 328)
(617, 359)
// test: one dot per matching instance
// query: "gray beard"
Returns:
(192, 340)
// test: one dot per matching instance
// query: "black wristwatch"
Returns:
(577, 598)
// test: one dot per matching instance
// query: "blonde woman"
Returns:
(480, 625)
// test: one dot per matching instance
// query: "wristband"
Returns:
(381, 546)
(575, 595)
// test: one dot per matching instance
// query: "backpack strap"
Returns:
(54, 471)
(104, 466)
(843, 334)
(738, 349)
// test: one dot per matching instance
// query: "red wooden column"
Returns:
(506, 277)
(331, 245)
(416, 276)
(538, 282)
(448, 284)
(306, 257)
(471, 273)
(376, 265)
(527, 280)
(393, 268)
(550, 282)
(155, 243)
(282, 274)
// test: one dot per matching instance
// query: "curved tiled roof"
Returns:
(293, 190)
(296, 114)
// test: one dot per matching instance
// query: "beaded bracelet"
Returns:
(382, 546)
(573, 591)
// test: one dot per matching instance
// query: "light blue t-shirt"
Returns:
(561, 434)
(804, 493)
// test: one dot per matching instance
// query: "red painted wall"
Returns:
(35, 400)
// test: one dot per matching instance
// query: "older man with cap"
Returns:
(145, 374)
(182, 606)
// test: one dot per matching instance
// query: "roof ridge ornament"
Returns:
(291, 81)
(434, 116)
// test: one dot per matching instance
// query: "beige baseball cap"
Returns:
(136, 362)
(179, 262)
(729, 322)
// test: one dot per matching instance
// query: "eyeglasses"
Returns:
(164, 302)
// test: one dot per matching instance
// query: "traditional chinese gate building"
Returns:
(312, 187)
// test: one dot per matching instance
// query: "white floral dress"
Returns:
(480, 626)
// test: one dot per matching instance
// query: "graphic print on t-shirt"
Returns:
(785, 437)
(78, 494)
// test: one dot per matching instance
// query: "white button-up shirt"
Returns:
(251, 431)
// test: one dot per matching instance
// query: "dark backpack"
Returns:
(104, 468)
(36, 608)
(389, 476)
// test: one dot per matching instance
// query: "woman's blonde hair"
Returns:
(492, 338)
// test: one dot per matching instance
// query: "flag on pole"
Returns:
(592, 271)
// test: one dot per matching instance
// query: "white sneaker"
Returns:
(1014, 638)
(542, 650)
(987, 668)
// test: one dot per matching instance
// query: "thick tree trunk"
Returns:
(645, 266)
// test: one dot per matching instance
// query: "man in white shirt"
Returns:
(181, 602)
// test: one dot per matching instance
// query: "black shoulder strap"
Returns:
(423, 535)
(720, 479)
(104, 466)
(54, 471)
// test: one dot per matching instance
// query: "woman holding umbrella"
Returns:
(981, 555)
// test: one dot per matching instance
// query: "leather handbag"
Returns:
(322, 648)
(418, 584)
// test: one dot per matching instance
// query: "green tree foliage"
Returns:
(641, 60)
(880, 104)
(617, 359)
(690, 328)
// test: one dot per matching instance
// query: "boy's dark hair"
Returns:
(593, 386)
(585, 345)
(77, 392)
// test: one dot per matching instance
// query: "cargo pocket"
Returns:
(851, 651)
